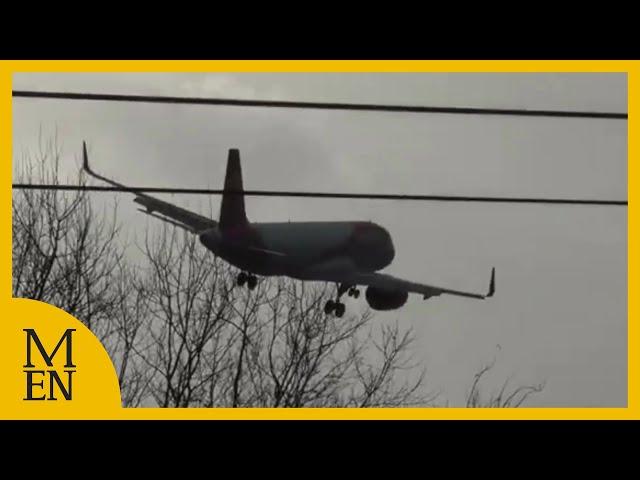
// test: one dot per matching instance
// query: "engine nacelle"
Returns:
(380, 299)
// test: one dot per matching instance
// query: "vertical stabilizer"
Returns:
(232, 213)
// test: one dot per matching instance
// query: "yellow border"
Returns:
(632, 68)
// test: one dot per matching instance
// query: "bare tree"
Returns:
(214, 344)
(505, 397)
(67, 254)
(130, 323)
(63, 252)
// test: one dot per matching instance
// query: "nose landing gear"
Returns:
(334, 307)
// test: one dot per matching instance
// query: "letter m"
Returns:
(32, 337)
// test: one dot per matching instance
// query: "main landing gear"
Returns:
(336, 306)
(249, 279)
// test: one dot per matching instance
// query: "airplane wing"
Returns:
(169, 213)
(388, 282)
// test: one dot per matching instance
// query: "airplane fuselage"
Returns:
(327, 251)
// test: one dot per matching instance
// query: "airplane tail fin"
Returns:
(232, 213)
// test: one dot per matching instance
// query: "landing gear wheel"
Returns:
(340, 309)
(329, 307)
(242, 279)
(252, 281)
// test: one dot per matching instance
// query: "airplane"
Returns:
(347, 253)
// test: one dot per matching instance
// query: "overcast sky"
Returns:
(560, 311)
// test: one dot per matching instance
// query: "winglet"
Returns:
(85, 158)
(492, 285)
(85, 166)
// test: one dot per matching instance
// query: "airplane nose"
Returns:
(374, 246)
(388, 252)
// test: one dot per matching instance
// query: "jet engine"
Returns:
(382, 299)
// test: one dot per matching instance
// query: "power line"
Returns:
(374, 196)
(326, 106)
(317, 105)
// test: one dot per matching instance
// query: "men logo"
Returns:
(37, 378)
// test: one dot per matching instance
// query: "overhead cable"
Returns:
(282, 193)
(318, 105)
